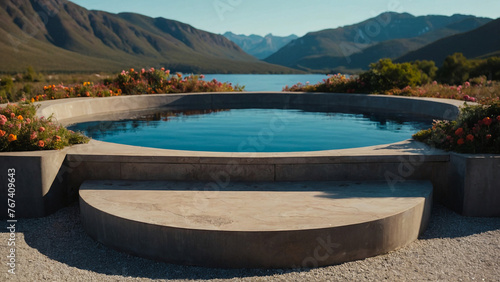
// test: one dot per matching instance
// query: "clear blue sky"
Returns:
(284, 17)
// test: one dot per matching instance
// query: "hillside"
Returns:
(59, 35)
(354, 47)
(480, 43)
(258, 46)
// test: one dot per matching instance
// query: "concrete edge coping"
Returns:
(80, 109)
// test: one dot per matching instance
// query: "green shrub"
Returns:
(385, 75)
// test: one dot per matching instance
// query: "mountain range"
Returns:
(258, 46)
(58, 35)
(352, 48)
(480, 43)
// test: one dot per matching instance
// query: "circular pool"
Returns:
(255, 129)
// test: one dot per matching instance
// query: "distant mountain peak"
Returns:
(354, 47)
(258, 46)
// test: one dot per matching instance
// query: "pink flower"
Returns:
(3, 119)
(34, 135)
(12, 115)
(467, 84)
(41, 129)
(143, 71)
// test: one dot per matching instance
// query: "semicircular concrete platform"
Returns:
(255, 225)
(277, 221)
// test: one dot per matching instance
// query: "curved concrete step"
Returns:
(255, 225)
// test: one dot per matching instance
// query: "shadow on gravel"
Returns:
(61, 238)
(445, 223)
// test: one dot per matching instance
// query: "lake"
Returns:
(266, 82)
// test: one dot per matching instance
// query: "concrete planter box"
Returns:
(40, 188)
(474, 188)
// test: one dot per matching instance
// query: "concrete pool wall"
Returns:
(62, 172)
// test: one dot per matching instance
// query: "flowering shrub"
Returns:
(132, 82)
(477, 90)
(337, 83)
(22, 130)
(477, 130)
(154, 81)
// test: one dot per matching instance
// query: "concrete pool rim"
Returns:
(60, 173)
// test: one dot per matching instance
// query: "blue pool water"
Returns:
(253, 130)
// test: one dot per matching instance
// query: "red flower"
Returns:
(41, 144)
(470, 137)
(488, 136)
(487, 121)
(460, 141)
(498, 118)
(459, 131)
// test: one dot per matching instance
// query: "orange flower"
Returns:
(2, 133)
(460, 141)
(179, 75)
(20, 117)
(459, 131)
(57, 138)
(41, 144)
(32, 100)
(12, 138)
(470, 137)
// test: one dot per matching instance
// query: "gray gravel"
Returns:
(56, 248)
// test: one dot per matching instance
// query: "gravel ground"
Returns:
(56, 248)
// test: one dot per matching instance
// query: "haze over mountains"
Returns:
(354, 47)
(58, 35)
